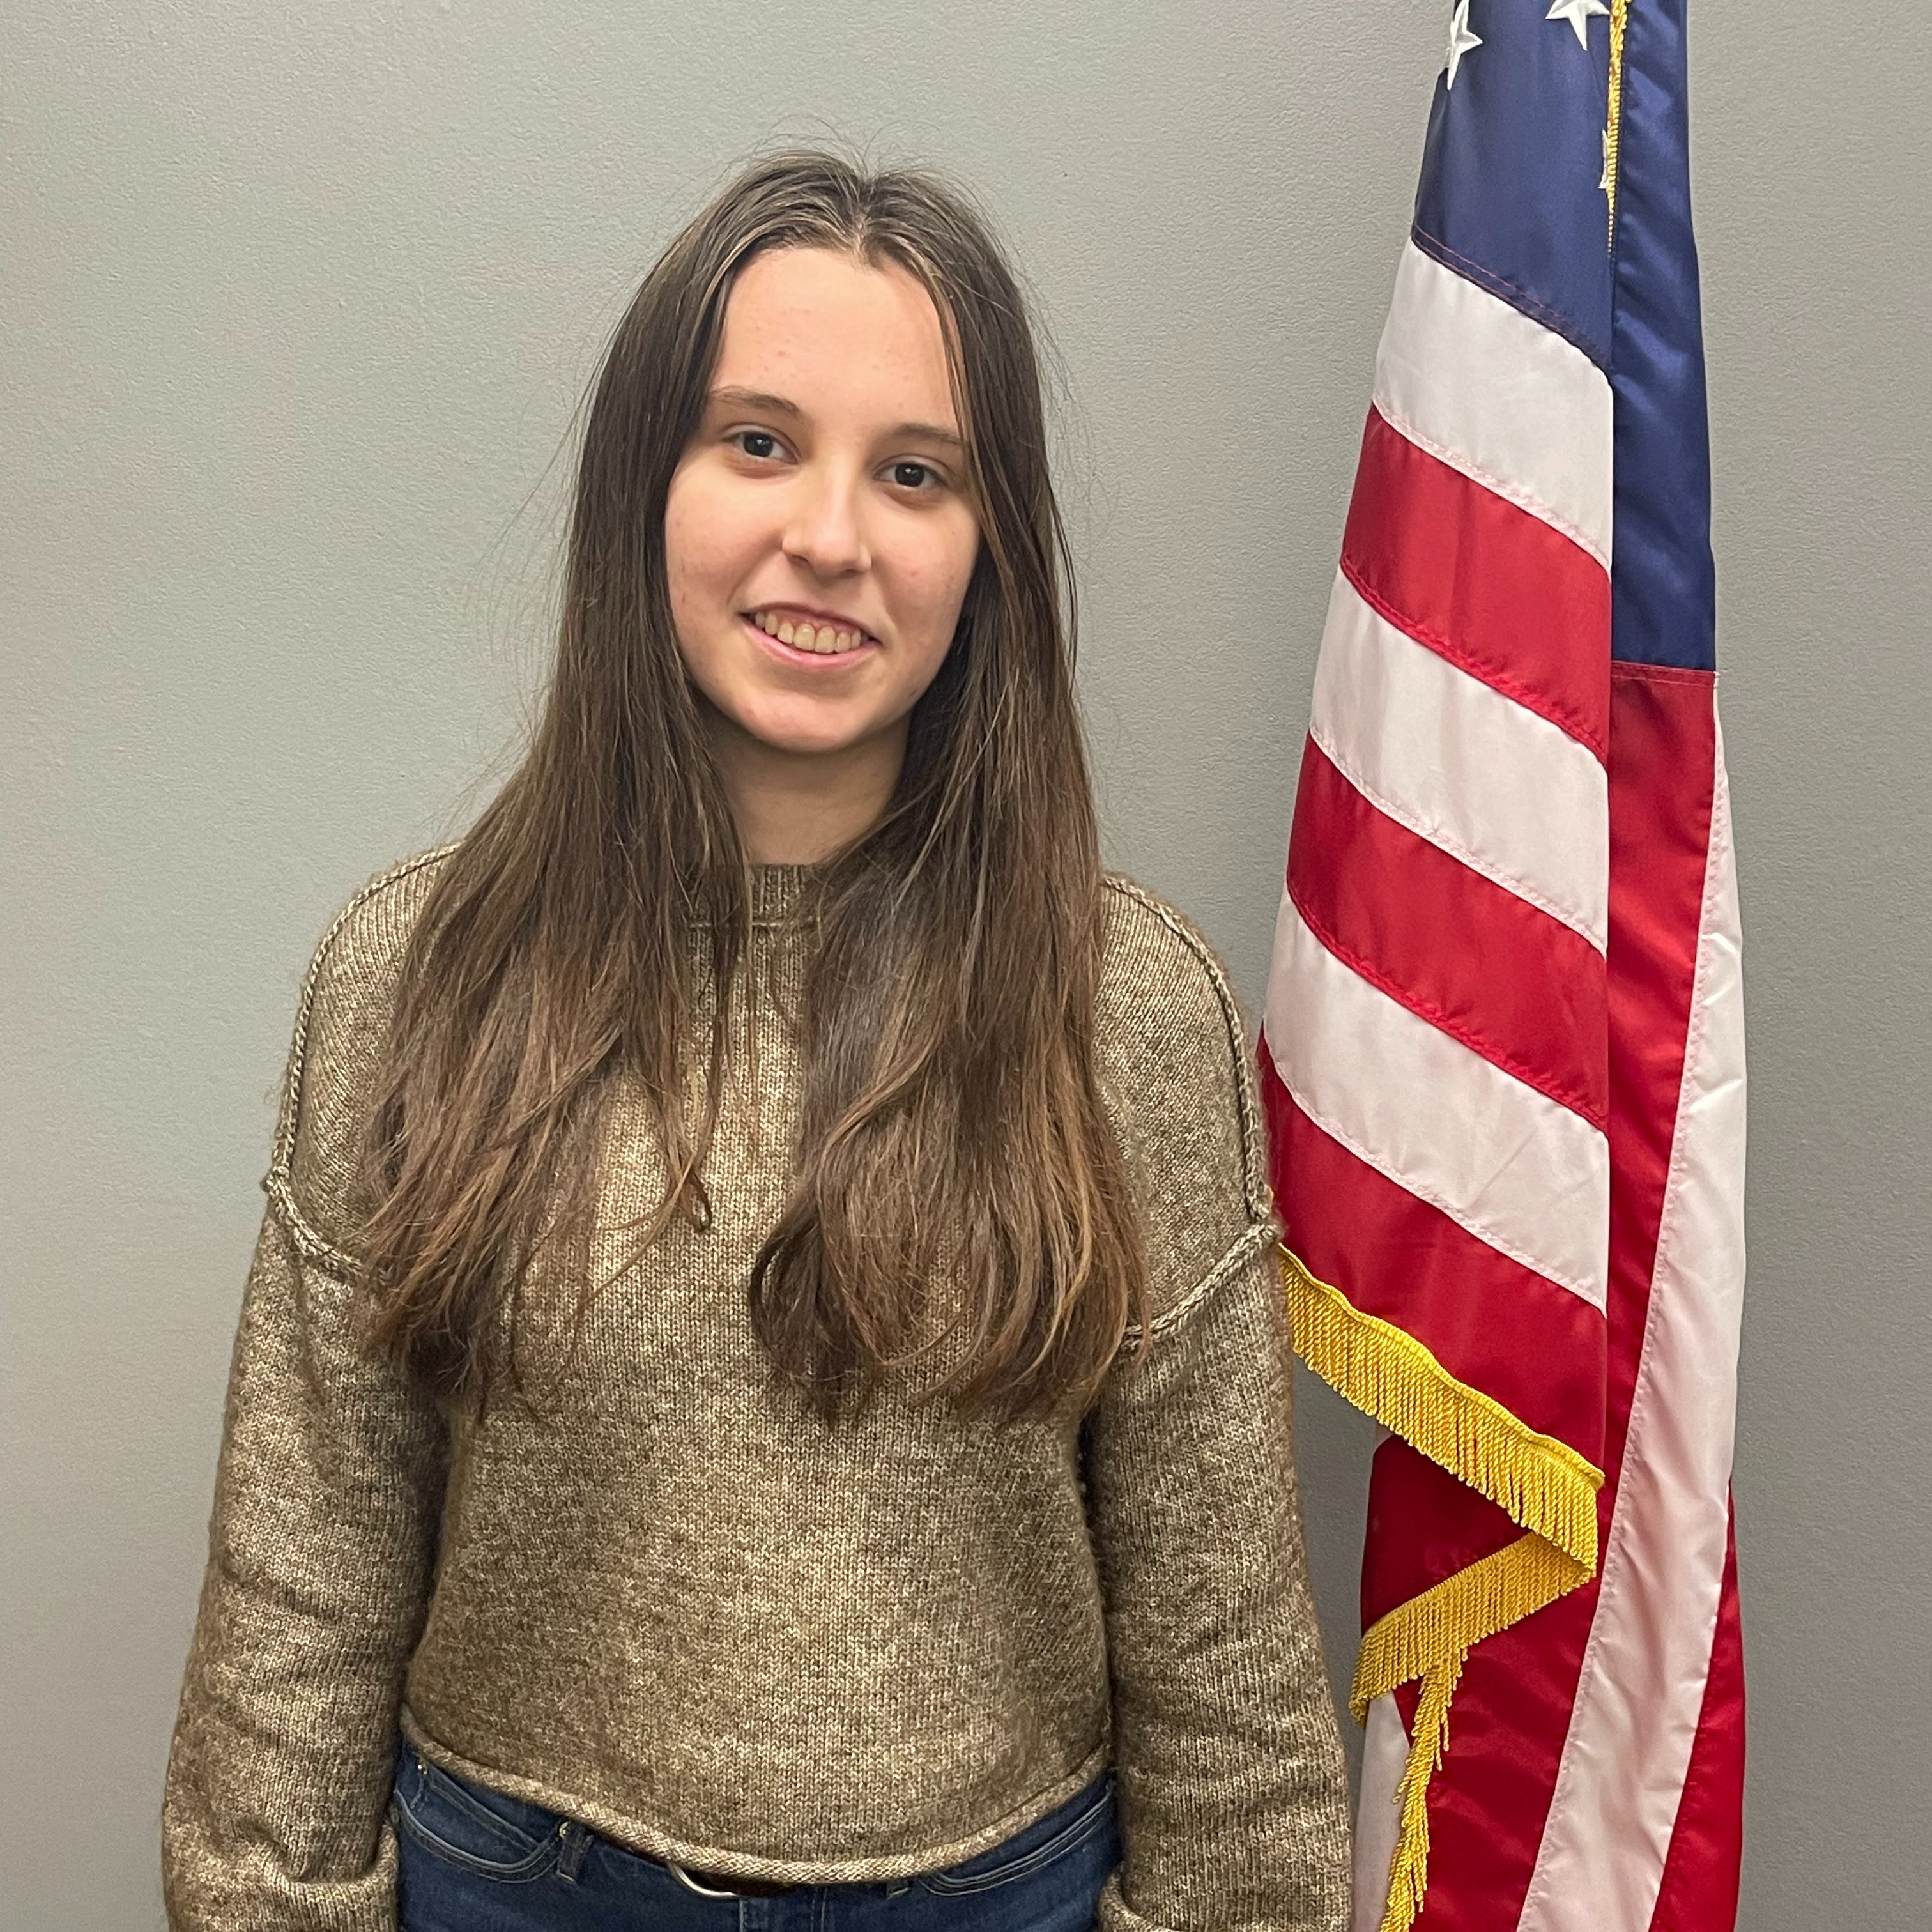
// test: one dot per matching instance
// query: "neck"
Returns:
(799, 808)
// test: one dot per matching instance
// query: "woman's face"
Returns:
(818, 537)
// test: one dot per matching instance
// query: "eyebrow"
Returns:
(763, 400)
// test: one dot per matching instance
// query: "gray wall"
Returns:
(298, 304)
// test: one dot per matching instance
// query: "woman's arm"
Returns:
(322, 1542)
(1232, 1786)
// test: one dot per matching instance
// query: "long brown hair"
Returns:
(951, 1117)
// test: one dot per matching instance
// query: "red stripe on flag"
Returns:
(1442, 1525)
(1700, 1876)
(1486, 967)
(1491, 1794)
(1663, 767)
(1491, 587)
(1490, 1798)
(1492, 1323)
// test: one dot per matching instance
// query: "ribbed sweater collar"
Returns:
(776, 890)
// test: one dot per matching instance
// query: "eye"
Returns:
(911, 476)
(757, 443)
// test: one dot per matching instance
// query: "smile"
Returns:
(798, 635)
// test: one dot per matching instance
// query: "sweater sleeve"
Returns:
(1232, 1784)
(320, 1549)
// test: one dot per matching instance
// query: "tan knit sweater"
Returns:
(714, 1636)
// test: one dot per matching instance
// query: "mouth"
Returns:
(795, 639)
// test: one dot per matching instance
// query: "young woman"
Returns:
(762, 1395)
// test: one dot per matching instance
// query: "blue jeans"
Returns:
(474, 1861)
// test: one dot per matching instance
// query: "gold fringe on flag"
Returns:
(1613, 119)
(1444, 1622)
(1543, 1484)
(1408, 1869)
(1545, 1487)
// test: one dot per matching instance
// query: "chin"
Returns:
(803, 732)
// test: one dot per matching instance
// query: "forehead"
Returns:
(837, 337)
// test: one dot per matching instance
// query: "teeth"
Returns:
(823, 641)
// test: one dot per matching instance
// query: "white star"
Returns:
(1577, 12)
(1605, 183)
(1460, 38)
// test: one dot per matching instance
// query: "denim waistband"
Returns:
(1032, 1845)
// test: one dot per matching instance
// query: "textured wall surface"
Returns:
(299, 303)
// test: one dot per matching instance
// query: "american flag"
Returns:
(1503, 1043)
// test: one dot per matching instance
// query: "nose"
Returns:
(825, 531)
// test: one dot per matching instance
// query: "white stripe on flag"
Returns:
(1517, 1170)
(1641, 1689)
(1500, 397)
(1511, 795)
(1377, 1815)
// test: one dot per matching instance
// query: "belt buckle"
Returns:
(690, 1884)
(752, 1887)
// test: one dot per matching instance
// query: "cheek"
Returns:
(688, 539)
(708, 546)
(936, 578)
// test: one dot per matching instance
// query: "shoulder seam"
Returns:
(1257, 1235)
(1254, 1164)
(313, 1245)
